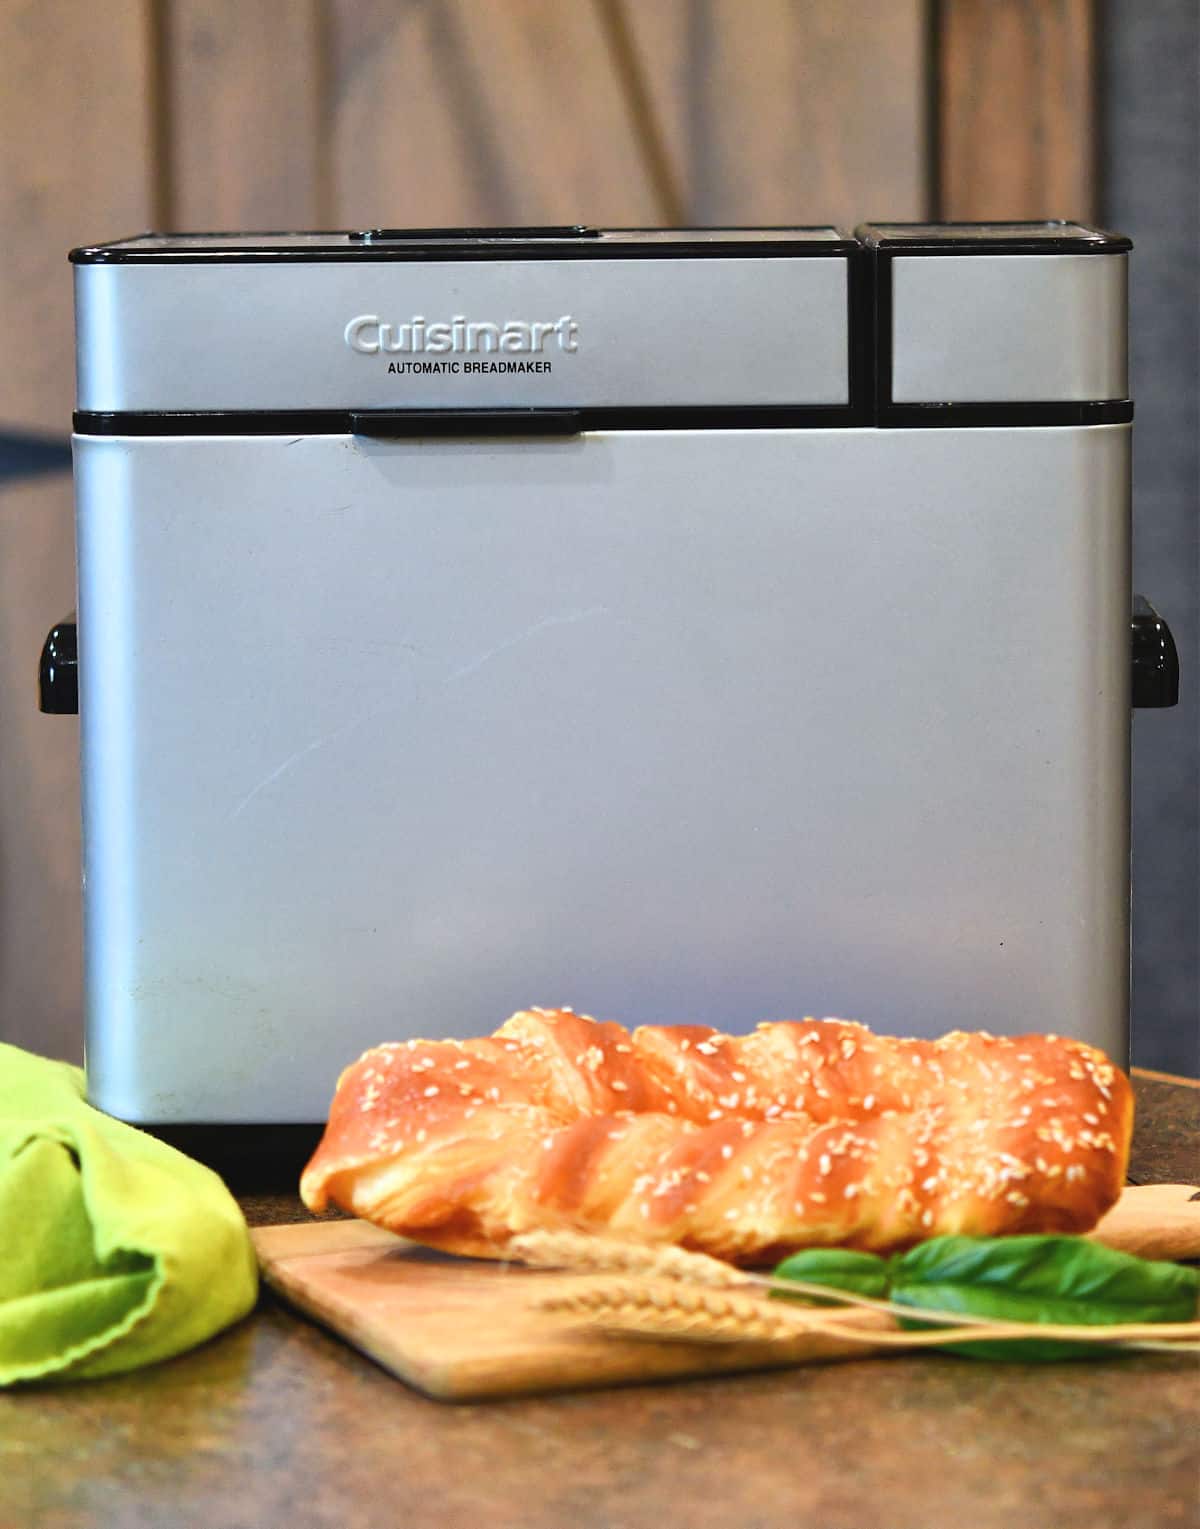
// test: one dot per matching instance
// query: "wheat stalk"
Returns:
(595, 1254)
(590, 1253)
(663, 1308)
(643, 1306)
(668, 1292)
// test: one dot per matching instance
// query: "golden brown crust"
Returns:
(746, 1147)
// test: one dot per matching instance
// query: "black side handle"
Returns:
(1153, 656)
(58, 672)
(1155, 660)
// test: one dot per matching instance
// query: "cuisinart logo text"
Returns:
(369, 335)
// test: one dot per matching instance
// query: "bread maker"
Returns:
(705, 625)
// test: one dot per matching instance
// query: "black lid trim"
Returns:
(473, 244)
(926, 416)
(951, 239)
(394, 423)
(401, 423)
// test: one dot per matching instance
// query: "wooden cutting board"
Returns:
(465, 1329)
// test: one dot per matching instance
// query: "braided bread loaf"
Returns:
(745, 1147)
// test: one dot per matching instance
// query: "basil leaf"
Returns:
(1068, 1280)
(843, 1269)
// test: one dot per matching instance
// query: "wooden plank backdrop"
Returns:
(301, 113)
(77, 109)
(1016, 107)
(241, 131)
(775, 111)
(468, 112)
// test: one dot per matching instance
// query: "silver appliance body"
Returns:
(393, 725)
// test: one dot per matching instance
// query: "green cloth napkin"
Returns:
(115, 1250)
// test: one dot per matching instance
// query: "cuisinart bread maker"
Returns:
(702, 625)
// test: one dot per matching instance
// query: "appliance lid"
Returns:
(977, 315)
(435, 330)
(472, 319)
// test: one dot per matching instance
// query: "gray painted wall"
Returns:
(1151, 126)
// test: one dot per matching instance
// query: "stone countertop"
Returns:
(278, 1425)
